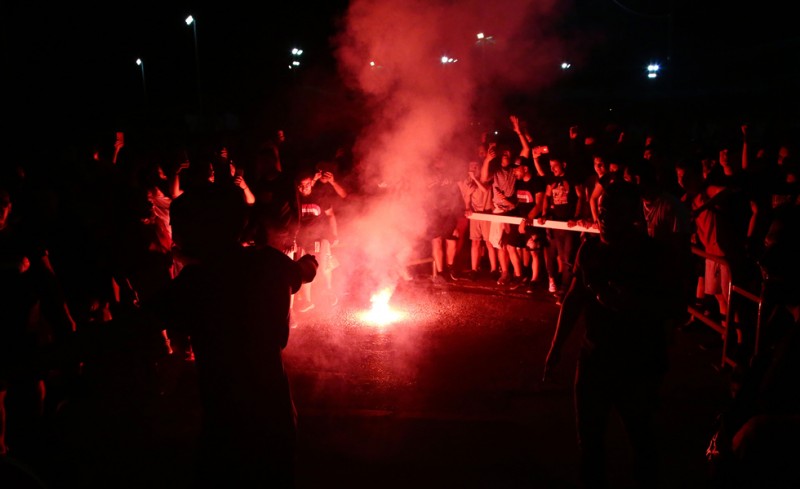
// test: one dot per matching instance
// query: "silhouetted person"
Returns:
(625, 298)
(33, 315)
(755, 444)
(233, 302)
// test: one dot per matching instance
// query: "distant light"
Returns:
(189, 20)
(294, 51)
(447, 59)
(496, 133)
(653, 67)
(372, 63)
(565, 66)
(652, 75)
(444, 59)
(139, 61)
(295, 63)
(299, 52)
(480, 35)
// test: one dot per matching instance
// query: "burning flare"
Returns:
(381, 313)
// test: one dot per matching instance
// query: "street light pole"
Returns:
(144, 84)
(193, 22)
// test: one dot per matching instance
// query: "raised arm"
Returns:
(745, 158)
(490, 155)
(329, 178)
(525, 152)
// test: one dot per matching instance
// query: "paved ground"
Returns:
(448, 396)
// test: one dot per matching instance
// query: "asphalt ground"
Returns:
(449, 395)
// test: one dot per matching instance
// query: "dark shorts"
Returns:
(516, 239)
(538, 239)
(442, 227)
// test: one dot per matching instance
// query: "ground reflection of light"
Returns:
(381, 313)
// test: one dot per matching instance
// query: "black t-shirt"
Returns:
(563, 198)
(314, 223)
(525, 193)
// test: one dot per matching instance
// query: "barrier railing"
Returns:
(480, 216)
(724, 327)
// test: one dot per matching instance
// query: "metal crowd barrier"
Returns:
(725, 328)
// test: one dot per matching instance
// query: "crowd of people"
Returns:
(137, 237)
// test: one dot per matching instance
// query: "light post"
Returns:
(140, 63)
(193, 22)
(296, 53)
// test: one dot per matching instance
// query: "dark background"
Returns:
(69, 69)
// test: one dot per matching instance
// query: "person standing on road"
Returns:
(621, 288)
(233, 301)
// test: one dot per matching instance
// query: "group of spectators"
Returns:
(673, 231)
(94, 240)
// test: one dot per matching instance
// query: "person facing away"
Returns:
(233, 301)
(621, 289)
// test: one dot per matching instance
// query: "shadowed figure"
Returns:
(622, 290)
(233, 302)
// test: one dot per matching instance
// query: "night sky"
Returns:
(71, 66)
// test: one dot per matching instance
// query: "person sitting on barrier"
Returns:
(622, 290)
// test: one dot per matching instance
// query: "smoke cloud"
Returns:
(421, 108)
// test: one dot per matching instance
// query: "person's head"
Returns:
(206, 220)
(599, 163)
(557, 166)
(619, 211)
(522, 169)
(687, 175)
(305, 182)
(724, 160)
(482, 151)
(474, 167)
(504, 152)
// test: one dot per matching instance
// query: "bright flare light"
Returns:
(381, 313)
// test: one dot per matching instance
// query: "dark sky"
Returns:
(74, 64)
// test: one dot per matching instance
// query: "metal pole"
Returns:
(197, 66)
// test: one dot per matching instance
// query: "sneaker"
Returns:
(516, 283)
(504, 279)
(439, 279)
(470, 275)
(451, 275)
(551, 287)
